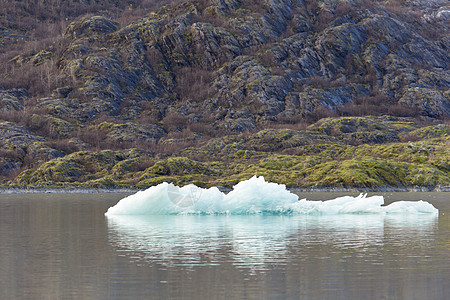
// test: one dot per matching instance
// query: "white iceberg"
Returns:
(253, 196)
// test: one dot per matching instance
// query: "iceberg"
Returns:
(254, 196)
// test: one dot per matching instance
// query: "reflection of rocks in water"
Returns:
(253, 242)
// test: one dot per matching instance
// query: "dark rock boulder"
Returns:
(91, 25)
(12, 100)
(130, 133)
(431, 102)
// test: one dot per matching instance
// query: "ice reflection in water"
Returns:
(257, 242)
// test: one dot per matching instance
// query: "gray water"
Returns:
(61, 246)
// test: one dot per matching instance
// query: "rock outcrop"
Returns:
(197, 85)
(269, 59)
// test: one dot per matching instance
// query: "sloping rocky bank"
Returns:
(328, 94)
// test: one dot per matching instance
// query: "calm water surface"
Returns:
(61, 246)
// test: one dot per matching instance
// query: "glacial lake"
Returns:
(61, 246)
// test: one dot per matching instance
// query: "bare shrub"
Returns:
(324, 19)
(374, 105)
(343, 8)
(193, 83)
(174, 121)
(349, 65)
(155, 58)
(63, 145)
(10, 154)
(319, 82)
(254, 6)
(278, 71)
(11, 116)
(171, 148)
(142, 165)
(311, 6)
(318, 113)
(377, 99)
(294, 126)
(410, 138)
(404, 110)
(364, 109)
(267, 58)
(38, 80)
(92, 136)
(201, 128)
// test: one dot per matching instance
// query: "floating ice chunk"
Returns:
(253, 196)
(167, 198)
(342, 205)
(412, 207)
(152, 200)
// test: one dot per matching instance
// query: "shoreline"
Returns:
(87, 190)
(415, 189)
(64, 190)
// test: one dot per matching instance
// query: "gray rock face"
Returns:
(212, 46)
(12, 100)
(262, 55)
(362, 130)
(17, 136)
(92, 25)
(249, 63)
(130, 133)
(434, 103)
(113, 77)
(19, 144)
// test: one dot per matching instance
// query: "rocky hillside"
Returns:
(327, 93)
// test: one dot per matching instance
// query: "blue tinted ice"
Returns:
(250, 197)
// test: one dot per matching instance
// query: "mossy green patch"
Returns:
(294, 158)
(179, 166)
(437, 131)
